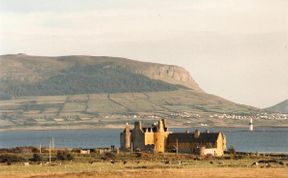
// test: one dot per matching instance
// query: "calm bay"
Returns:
(262, 140)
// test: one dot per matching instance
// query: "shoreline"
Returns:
(225, 152)
(122, 126)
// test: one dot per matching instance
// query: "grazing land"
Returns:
(145, 165)
(78, 171)
(181, 108)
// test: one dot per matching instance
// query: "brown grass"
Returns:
(149, 165)
(172, 173)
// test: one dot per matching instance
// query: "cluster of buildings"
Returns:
(185, 114)
(157, 138)
(262, 116)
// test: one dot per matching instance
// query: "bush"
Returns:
(65, 155)
(232, 150)
(9, 158)
(25, 149)
(76, 150)
(35, 150)
(108, 156)
(37, 157)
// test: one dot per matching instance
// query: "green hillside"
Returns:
(86, 79)
(281, 107)
(38, 92)
(180, 107)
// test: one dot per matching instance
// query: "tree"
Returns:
(64, 155)
(232, 152)
(37, 157)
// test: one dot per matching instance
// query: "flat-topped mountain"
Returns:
(23, 75)
(280, 107)
(37, 91)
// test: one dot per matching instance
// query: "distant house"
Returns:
(157, 138)
(85, 152)
(103, 150)
(204, 143)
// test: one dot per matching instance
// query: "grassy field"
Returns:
(143, 169)
(133, 170)
(100, 110)
(150, 165)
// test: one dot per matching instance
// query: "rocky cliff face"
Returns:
(171, 74)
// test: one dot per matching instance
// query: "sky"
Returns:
(236, 49)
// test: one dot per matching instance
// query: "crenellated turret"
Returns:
(160, 136)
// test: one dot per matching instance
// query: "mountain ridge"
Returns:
(168, 73)
(39, 91)
(281, 107)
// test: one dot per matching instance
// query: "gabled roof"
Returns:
(203, 138)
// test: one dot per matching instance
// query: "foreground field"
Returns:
(134, 165)
(183, 173)
(109, 171)
(146, 168)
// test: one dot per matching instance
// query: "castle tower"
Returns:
(160, 137)
(126, 138)
(196, 133)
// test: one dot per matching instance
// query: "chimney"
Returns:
(127, 127)
(165, 125)
(196, 133)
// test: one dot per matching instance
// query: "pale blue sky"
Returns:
(237, 49)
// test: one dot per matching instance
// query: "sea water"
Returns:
(264, 139)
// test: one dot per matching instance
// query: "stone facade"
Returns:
(158, 139)
(204, 143)
(148, 138)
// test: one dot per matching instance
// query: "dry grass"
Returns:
(133, 169)
(151, 165)
(170, 173)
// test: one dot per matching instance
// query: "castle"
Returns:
(158, 139)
